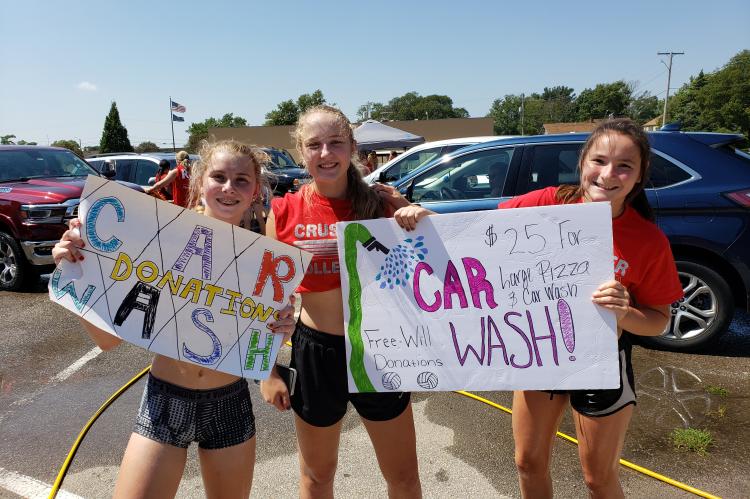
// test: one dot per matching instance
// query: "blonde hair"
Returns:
(258, 159)
(182, 156)
(366, 203)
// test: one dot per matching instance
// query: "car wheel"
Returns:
(701, 315)
(13, 267)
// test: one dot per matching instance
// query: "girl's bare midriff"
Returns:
(189, 375)
(324, 311)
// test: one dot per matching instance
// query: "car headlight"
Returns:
(49, 213)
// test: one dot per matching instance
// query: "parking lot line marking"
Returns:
(28, 487)
(75, 366)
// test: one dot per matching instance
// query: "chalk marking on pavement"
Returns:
(28, 487)
(75, 366)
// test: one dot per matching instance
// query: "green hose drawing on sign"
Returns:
(394, 273)
(352, 234)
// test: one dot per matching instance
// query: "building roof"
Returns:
(653, 122)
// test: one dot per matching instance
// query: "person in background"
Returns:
(178, 178)
(162, 193)
(392, 155)
(372, 161)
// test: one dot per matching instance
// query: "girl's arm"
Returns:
(274, 389)
(641, 320)
(408, 216)
(103, 339)
(68, 249)
(168, 179)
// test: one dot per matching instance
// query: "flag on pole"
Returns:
(178, 108)
(177, 118)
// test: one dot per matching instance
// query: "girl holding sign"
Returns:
(614, 167)
(307, 220)
(185, 402)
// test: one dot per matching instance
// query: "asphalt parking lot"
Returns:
(51, 382)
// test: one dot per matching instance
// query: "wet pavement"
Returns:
(465, 447)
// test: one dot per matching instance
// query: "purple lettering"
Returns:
(451, 286)
(477, 276)
(469, 348)
(422, 266)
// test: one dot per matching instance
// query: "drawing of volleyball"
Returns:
(391, 381)
(427, 380)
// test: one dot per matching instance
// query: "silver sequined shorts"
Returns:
(215, 418)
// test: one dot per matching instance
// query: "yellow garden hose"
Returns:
(69, 459)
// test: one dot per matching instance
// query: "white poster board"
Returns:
(490, 300)
(176, 282)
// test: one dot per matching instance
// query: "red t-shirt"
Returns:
(313, 228)
(643, 258)
(180, 186)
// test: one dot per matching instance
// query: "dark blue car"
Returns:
(699, 189)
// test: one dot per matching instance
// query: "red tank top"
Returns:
(180, 187)
(313, 228)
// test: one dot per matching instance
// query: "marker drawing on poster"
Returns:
(492, 300)
(176, 282)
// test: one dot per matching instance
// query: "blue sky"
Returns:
(61, 64)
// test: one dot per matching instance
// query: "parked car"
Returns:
(422, 154)
(40, 189)
(133, 167)
(286, 174)
(699, 190)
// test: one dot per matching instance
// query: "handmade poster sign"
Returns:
(491, 300)
(177, 282)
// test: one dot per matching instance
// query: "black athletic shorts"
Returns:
(322, 392)
(597, 403)
(215, 418)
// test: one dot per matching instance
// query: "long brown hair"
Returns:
(366, 203)
(636, 198)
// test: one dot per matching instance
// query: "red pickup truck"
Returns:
(40, 189)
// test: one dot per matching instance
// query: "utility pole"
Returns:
(669, 79)
(522, 110)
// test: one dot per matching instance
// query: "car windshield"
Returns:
(29, 163)
(280, 159)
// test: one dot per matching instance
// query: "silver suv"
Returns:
(133, 167)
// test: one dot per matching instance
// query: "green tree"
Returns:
(306, 101)
(7, 140)
(147, 147)
(506, 115)
(287, 112)
(412, 106)
(115, 135)
(372, 110)
(558, 104)
(718, 101)
(69, 144)
(199, 131)
(603, 100)
(644, 107)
